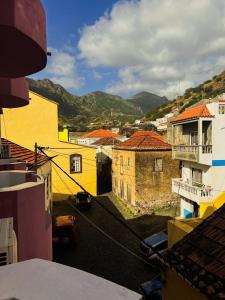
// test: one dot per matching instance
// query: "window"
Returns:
(128, 162)
(158, 164)
(221, 109)
(196, 177)
(75, 163)
(121, 164)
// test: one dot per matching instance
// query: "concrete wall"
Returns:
(31, 222)
(153, 189)
(38, 122)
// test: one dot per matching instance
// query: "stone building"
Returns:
(142, 168)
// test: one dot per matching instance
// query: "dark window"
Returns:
(75, 163)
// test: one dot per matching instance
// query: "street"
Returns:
(97, 254)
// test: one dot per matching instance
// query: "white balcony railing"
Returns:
(191, 192)
(191, 152)
(5, 151)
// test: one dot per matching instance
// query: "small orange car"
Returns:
(64, 229)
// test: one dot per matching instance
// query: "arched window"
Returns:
(75, 163)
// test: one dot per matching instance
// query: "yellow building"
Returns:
(64, 135)
(141, 171)
(38, 123)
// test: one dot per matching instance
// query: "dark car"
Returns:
(155, 243)
(64, 230)
(151, 290)
(83, 200)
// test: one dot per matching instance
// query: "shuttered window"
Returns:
(158, 165)
(75, 163)
(196, 177)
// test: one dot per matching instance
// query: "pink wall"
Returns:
(32, 224)
(11, 166)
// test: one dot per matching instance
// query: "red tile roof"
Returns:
(200, 256)
(107, 141)
(23, 154)
(99, 133)
(149, 133)
(193, 113)
(144, 142)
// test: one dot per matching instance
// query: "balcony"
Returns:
(194, 193)
(196, 153)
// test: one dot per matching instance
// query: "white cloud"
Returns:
(158, 45)
(62, 69)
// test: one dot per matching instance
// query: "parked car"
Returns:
(83, 200)
(159, 243)
(64, 230)
(151, 290)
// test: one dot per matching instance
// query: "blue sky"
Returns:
(128, 46)
(65, 21)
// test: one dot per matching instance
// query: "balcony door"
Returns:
(193, 137)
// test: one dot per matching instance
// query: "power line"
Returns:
(105, 208)
(111, 238)
(102, 231)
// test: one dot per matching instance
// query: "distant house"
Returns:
(142, 168)
(91, 137)
(104, 163)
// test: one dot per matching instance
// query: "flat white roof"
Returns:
(39, 279)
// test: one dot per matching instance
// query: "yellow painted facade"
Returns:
(175, 288)
(38, 122)
(64, 135)
(123, 174)
(207, 208)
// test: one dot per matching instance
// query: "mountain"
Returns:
(80, 111)
(146, 101)
(208, 89)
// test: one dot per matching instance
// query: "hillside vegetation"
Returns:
(96, 109)
(208, 89)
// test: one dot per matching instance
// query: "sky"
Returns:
(125, 47)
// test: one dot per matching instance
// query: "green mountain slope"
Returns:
(208, 89)
(146, 101)
(79, 111)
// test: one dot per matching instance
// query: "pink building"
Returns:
(25, 196)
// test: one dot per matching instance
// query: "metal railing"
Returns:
(202, 193)
(193, 148)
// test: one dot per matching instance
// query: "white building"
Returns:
(198, 141)
(161, 123)
(93, 136)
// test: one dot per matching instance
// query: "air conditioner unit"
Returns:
(5, 151)
(8, 242)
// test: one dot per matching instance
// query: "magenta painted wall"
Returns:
(32, 224)
(21, 166)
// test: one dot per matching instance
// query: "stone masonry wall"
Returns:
(154, 188)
